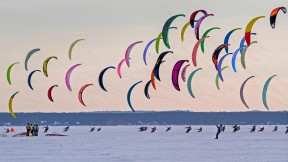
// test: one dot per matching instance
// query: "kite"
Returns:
(50, 93)
(72, 46)
(264, 92)
(183, 72)
(189, 86)
(30, 76)
(244, 53)
(227, 37)
(128, 51)
(233, 61)
(193, 15)
(195, 49)
(8, 74)
(29, 55)
(242, 92)
(197, 26)
(216, 54)
(219, 69)
(274, 14)
(146, 49)
(67, 77)
(129, 95)
(119, 67)
(80, 93)
(217, 77)
(175, 73)
(10, 104)
(158, 63)
(46, 63)
(249, 28)
(101, 75)
(159, 37)
(204, 35)
(147, 88)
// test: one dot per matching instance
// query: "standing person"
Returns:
(27, 129)
(31, 130)
(223, 129)
(37, 129)
(275, 129)
(46, 129)
(253, 128)
(286, 130)
(188, 129)
(219, 129)
(34, 129)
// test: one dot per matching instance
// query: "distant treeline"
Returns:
(147, 118)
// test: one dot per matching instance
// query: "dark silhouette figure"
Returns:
(99, 129)
(46, 129)
(200, 130)
(142, 129)
(253, 128)
(168, 128)
(275, 129)
(92, 129)
(153, 129)
(261, 129)
(188, 129)
(66, 129)
(223, 129)
(286, 130)
(219, 129)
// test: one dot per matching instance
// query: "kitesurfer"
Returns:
(286, 130)
(7, 130)
(223, 129)
(219, 129)
(37, 129)
(46, 129)
(200, 130)
(253, 128)
(236, 128)
(66, 129)
(188, 129)
(153, 129)
(275, 129)
(92, 129)
(168, 128)
(31, 130)
(141, 129)
(261, 129)
(27, 129)
(99, 129)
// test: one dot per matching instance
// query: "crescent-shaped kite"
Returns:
(183, 30)
(72, 46)
(119, 67)
(80, 93)
(129, 95)
(249, 28)
(159, 37)
(159, 61)
(183, 73)
(189, 81)
(146, 49)
(227, 37)
(146, 89)
(128, 51)
(264, 92)
(29, 55)
(244, 53)
(50, 93)
(274, 14)
(233, 60)
(204, 36)
(10, 104)
(195, 49)
(197, 26)
(165, 29)
(242, 91)
(46, 63)
(216, 54)
(8, 74)
(193, 16)
(219, 66)
(175, 73)
(217, 77)
(242, 43)
(101, 75)
(30, 76)
(67, 77)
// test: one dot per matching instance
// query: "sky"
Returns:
(109, 27)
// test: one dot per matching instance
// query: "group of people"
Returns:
(32, 129)
(153, 129)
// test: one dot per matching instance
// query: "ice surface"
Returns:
(125, 143)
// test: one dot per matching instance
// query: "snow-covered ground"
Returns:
(125, 143)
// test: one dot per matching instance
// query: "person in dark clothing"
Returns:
(275, 129)
(66, 129)
(92, 129)
(46, 129)
(99, 129)
(27, 129)
(223, 129)
(200, 130)
(142, 129)
(286, 130)
(36, 129)
(169, 128)
(153, 129)
(7, 130)
(188, 129)
(253, 128)
(261, 129)
(236, 129)
(219, 129)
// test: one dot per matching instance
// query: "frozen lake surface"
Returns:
(125, 143)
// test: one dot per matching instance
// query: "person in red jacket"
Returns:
(28, 129)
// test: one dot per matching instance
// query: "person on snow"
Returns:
(286, 130)
(188, 129)
(219, 129)
(99, 129)
(27, 129)
(153, 129)
(169, 128)
(261, 129)
(92, 129)
(275, 129)
(223, 129)
(46, 129)
(66, 129)
(253, 128)
(200, 130)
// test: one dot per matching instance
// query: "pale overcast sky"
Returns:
(109, 27)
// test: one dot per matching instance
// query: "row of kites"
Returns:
(195, 25)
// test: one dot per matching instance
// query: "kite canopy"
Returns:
(199, 22)
(129, 95)
(242, 91)
(216, 54)
(249, 28)
(195, 49)
(227, 37)
(146, 49)
(72, 46)
(80, 93)
(274, 14)
(29, 55)
(217, 77)
(175, 73)
(68, 74)
(264, 92)
(46, 63)
(193, 16)
(205, 35)
(30, 76)
(146, 89)
(10, 104)
(189, 81)
(8, 74)
(101, 75)
(128, 51)
(50, 93)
